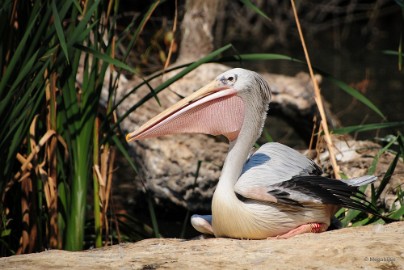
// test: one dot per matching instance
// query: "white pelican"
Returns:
(276, 192)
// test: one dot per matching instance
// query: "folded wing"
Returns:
(279, 174)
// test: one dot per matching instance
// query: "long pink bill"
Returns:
(213, 109)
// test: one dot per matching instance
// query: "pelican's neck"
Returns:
(233, 165)
(239, 151)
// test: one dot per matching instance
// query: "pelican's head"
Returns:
(219, 108)
(248, 84)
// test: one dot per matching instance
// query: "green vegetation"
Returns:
(355, 217)
(53, 136)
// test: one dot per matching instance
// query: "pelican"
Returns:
(275, 192)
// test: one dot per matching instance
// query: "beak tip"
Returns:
(129, 137)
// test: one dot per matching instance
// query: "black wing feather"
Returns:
(328, 191)
(284, 197)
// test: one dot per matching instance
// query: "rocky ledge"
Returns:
(369, 247)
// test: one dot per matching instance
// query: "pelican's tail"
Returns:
(360, 181)
(370, 208)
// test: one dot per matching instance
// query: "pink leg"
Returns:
(306, 228)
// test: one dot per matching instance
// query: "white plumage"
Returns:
(276, 191)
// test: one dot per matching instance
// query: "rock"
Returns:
(369, 247)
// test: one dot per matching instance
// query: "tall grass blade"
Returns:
(27, 68)
(387, 176)
(17, 55)
(140, 27)
(349, 216)
(356, 94)
(400, 53)
(83, 24)
(105, 57)
(153, 216)
(124, 152)
(96, 189)
(258, 57)
(253, 7)
(398, 214)
(372, 167)
(367, 127)
(394, 53)
(59, 30)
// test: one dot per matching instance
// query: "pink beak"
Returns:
(214, 109)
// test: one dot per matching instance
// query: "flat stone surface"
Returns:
(368, 247)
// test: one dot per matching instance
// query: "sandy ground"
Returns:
(369, 247)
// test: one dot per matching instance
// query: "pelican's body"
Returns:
(265, 171)
(274, 192)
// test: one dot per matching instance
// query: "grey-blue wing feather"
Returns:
(274, 163)
(271, 165)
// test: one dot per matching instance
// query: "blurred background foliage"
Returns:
(58, 141)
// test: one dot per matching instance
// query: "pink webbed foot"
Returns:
(306, 228)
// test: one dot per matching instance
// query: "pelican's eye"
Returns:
(229, 80)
